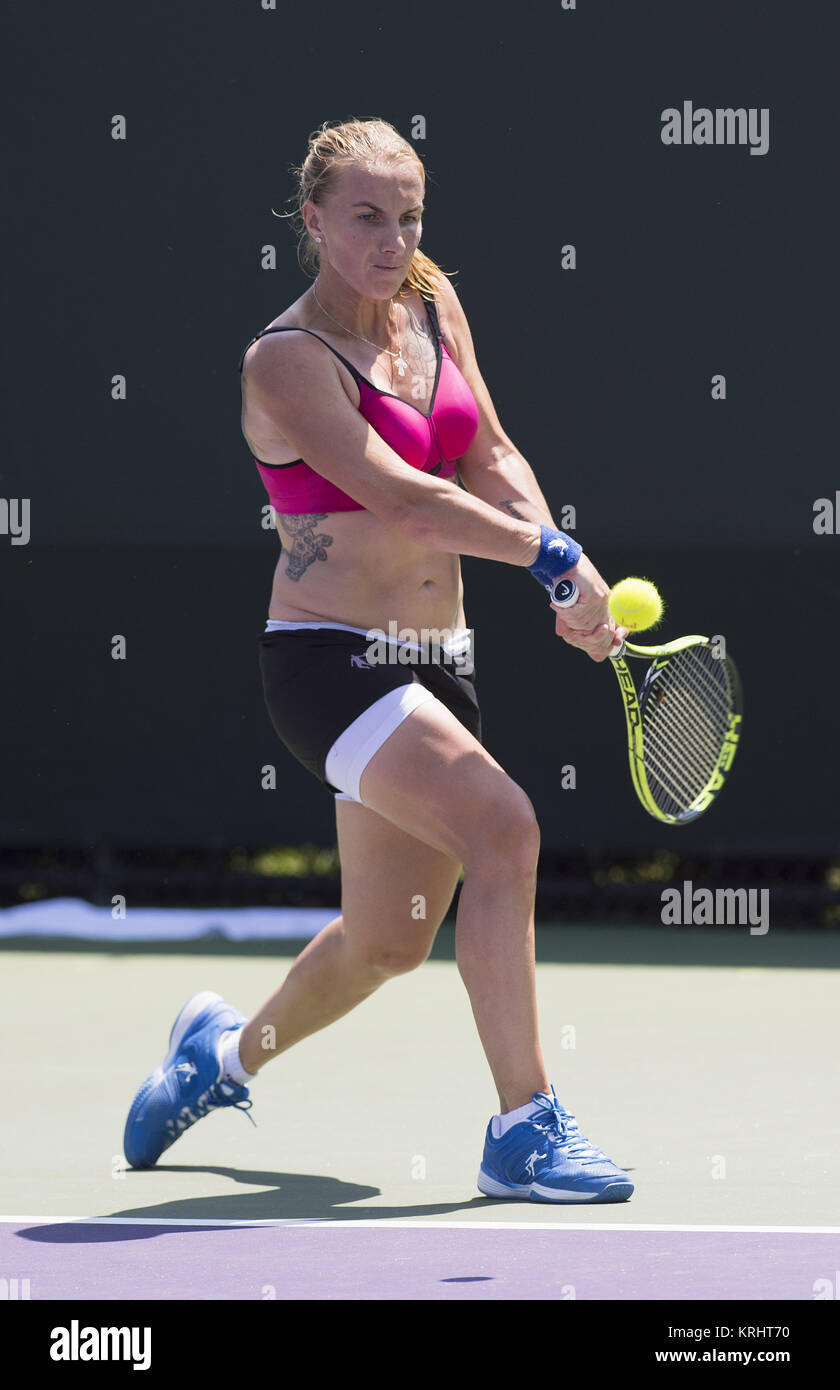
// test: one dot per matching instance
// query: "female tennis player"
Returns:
(363, 406)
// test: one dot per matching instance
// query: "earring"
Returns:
(317, 238)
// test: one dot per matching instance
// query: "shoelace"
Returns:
(561, 1129)
(220, 1090)
(215, 1095)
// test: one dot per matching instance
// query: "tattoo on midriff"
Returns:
(307, 545)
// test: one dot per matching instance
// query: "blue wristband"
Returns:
(558, 553)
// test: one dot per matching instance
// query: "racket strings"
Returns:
(685, 719)
(681, 762)
(687, 722)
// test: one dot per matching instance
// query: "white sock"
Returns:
(500, 1124)
(232, 1067)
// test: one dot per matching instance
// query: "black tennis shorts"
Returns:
(328, 703)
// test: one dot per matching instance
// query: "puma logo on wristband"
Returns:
(558, 553)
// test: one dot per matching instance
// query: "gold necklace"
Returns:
(399, 361)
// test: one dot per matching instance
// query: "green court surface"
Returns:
(703, 1061)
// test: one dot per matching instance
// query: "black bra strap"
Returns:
(431, 310)
(293, 328)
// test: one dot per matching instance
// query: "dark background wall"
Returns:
(142, 257)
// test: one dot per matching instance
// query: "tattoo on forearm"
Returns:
(307, 546)
(508, 505)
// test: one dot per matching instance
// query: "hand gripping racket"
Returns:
(683, 725)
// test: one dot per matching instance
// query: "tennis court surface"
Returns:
(703, 1061)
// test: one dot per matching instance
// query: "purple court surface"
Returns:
(355, 1260)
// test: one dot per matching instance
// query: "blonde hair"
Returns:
(332, 148)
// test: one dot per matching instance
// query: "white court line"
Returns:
(405, 1224)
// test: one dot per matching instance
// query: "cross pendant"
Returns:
(400, 364)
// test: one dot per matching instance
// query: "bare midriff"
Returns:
(350, 567)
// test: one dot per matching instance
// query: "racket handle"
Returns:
(564, 594)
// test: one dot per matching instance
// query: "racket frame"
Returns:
(634, 702)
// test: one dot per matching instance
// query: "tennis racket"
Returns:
(684, 723)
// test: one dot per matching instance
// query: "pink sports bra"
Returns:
(430, 442)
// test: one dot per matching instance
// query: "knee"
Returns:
(507, 833)
(384, 959)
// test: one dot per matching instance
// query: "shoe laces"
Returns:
(222, 1090)
(219, 1094)
(561, 1129)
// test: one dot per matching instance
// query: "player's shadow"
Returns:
(300, 1197)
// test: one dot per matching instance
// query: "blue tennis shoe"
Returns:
(188, 1084)
(545, 1158)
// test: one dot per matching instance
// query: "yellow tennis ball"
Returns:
(635, 604)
